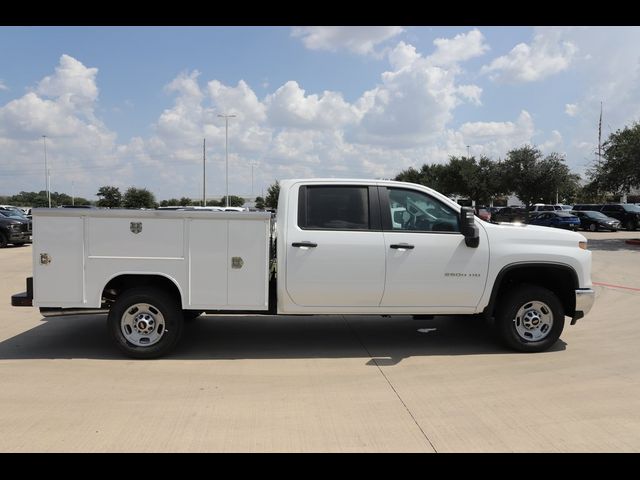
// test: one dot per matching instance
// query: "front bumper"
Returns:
(584, 301)
(19, 237)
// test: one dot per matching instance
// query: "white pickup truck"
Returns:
(365, 247)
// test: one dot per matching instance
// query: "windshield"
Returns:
(12, 214)
(599, 215)
(564, 214)
(631, 208)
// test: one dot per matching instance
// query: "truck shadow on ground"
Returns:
(611, 244)
(380, 341)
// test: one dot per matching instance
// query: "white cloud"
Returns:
(416, 99)
(571, 109)
(360, 40)
(545, 56)
(288, 106)
(460, 48)
(2, 85)
(241, 99)
(553, 144)
(73, 84)
(496, 138)
(471, 93)
(62, 107)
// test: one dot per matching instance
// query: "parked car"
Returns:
(627, 213)
(510, 215)
(483, 213)
(14, 228)
(590, 220)
(557, 219)
(542, 207)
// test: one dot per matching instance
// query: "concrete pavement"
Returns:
(326, 384)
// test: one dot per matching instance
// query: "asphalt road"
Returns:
(326, 384)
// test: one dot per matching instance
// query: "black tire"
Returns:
(593, 227)
(190, 315)
(3, 240)
(519, 298)
(630, 225)
(163, 305)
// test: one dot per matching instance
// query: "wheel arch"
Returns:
(560, 278)
(122, 281)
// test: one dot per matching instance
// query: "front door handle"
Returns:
(402, 245)
(304, 244)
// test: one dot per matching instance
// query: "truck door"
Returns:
(335, 250)
(428, 263)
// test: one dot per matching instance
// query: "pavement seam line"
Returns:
(424, 434)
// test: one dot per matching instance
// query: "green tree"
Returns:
(260, 203)
(138, 198)
(620, 170)
(536, 179)
(111, 197)
(273, 192)
(234, 201)
(81, 201)
(432, 176)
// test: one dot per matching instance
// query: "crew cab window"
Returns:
(334, 207)
(412, 210)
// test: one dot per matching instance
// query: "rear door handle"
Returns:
(304, 244)
(402, 245)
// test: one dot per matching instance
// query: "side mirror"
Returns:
(469, 228)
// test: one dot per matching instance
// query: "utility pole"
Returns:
(226, 150)
(204, 173)
(73, 193)
(46, 170)
(468, 151)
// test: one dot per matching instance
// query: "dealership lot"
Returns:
(336, 383)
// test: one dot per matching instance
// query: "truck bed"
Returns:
(217, 260)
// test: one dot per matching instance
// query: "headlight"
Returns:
(15, 226)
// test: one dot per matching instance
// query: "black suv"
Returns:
(14, 228)
(627, 213)
(510, 214)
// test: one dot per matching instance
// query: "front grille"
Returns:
(26, 227)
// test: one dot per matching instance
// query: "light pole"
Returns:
(253, 164)
(204, 173)
(226, 150)
(46, 170)
(468, 151)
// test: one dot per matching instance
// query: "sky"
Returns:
(130, 106)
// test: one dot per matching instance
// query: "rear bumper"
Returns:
(584, 301)
(24, 299)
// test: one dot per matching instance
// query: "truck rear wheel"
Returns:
(145, 322)
(530, 319)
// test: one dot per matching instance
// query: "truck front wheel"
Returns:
(145, 322)
(530, 319)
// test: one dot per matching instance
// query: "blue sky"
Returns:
(129, 106)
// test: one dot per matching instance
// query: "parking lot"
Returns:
(326, 384)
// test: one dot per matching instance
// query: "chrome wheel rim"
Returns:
(533, 321)
(142, 324)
